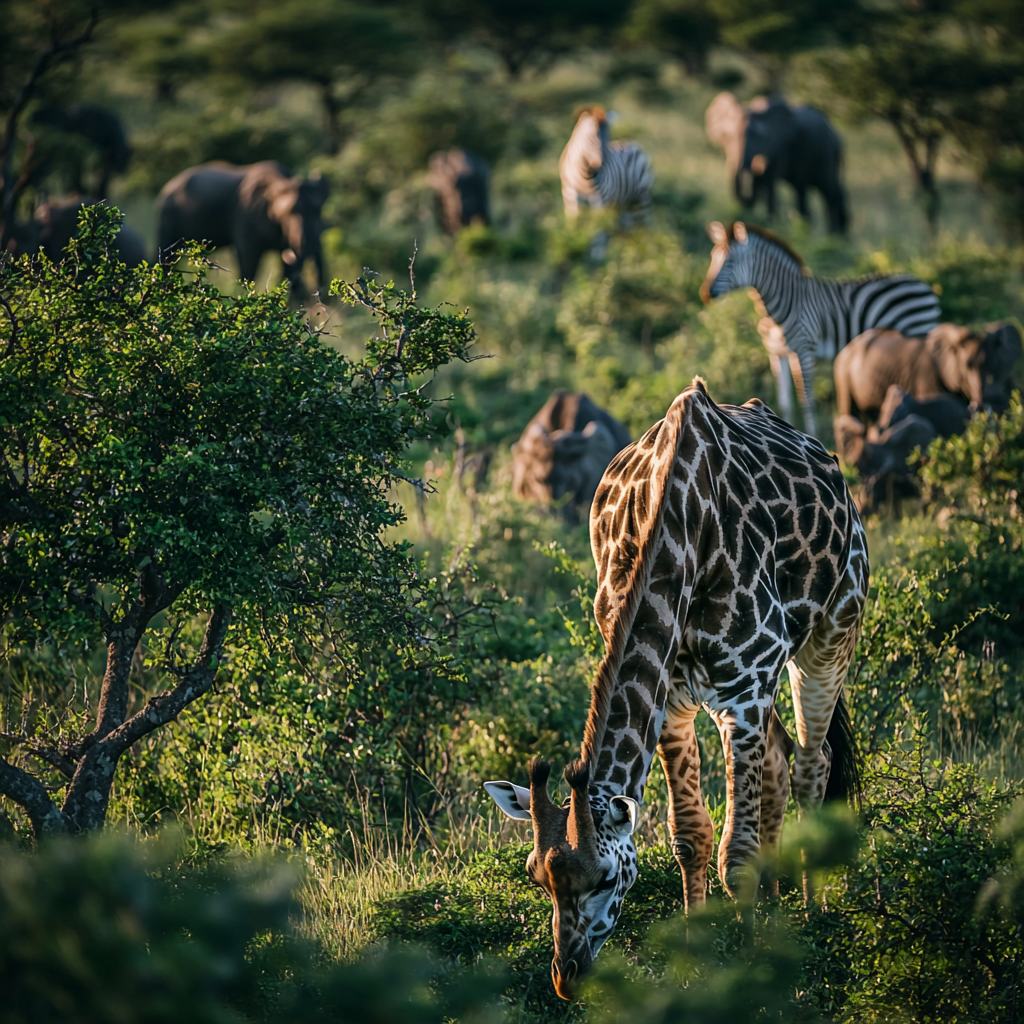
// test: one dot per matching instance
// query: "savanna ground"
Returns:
(364, 779)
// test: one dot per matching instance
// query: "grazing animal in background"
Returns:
(727, 546)
(951, 360)
(805, 318)
(55, 223)
(101, 127)
(725, 123)
(794, 144)
(256, 208)
(948, 414)
(461, 180)
(882, 461)
(564, 450)
(602, 173)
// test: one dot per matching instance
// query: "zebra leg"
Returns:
(803, 376)
(780, 367)
(689, 824)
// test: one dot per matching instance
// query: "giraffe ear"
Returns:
(623, 814)
(512, 799)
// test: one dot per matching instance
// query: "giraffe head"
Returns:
(583, 857)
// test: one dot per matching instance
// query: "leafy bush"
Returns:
(104, 929)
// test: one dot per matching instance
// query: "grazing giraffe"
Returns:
(727, 545)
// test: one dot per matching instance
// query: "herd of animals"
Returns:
(882, 331)
(726, 541)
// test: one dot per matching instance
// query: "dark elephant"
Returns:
(95, 124)
(950, 360)
(55, 223)
(883, 463)
(948, 414)
(794, 144)
(255, 209)
(565, 450)
(461, 180)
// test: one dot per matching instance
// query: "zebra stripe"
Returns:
(603, 173)
(816, 317)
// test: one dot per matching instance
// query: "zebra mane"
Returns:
(770, 236)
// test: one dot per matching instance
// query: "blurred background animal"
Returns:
(951, 360)
(806, 318)
(948, 414)
(461, 181)
(257, 208)
(794, 144)
(565, 450)
(55, 223)
(882, 462)
(102, 129)
(603, 173)
(725, 123)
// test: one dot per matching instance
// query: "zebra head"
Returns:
(731, 260)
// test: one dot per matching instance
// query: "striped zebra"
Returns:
(804, 318)
(603, 173)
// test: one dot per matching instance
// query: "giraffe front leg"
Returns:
(744, 744)
(689, 824)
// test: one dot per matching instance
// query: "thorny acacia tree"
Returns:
(171, 455)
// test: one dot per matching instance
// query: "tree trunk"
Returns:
(923, 168)
(97, 756)
(332, 118)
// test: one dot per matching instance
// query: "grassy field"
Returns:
(399, 842)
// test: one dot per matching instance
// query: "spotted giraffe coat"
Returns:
(727, 546)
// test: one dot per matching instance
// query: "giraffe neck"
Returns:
(625, 771)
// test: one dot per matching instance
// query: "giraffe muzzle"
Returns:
(565, 976)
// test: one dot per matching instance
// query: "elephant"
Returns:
(98, 125)
(950, 360)
(565, 450)
(255, 208)
(794, 144)
(461, 180)
(55, 223)
(948, 414)
(882, 462)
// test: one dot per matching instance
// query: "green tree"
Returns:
(173, 457)
(344, 49)
(524, 32)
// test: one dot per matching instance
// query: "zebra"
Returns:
(804, 318)
(603, 173)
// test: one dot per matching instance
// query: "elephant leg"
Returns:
(249, 255)
(801, 203)
(689, 824)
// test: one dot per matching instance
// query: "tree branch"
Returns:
(166, 706)
(56, 52)
(46, 753)
(30, 794)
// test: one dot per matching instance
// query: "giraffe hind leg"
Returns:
(816, 675)
(775, 789)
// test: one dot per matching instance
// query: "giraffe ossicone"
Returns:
(727, 546)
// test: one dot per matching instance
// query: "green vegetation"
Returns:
(304, 837)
